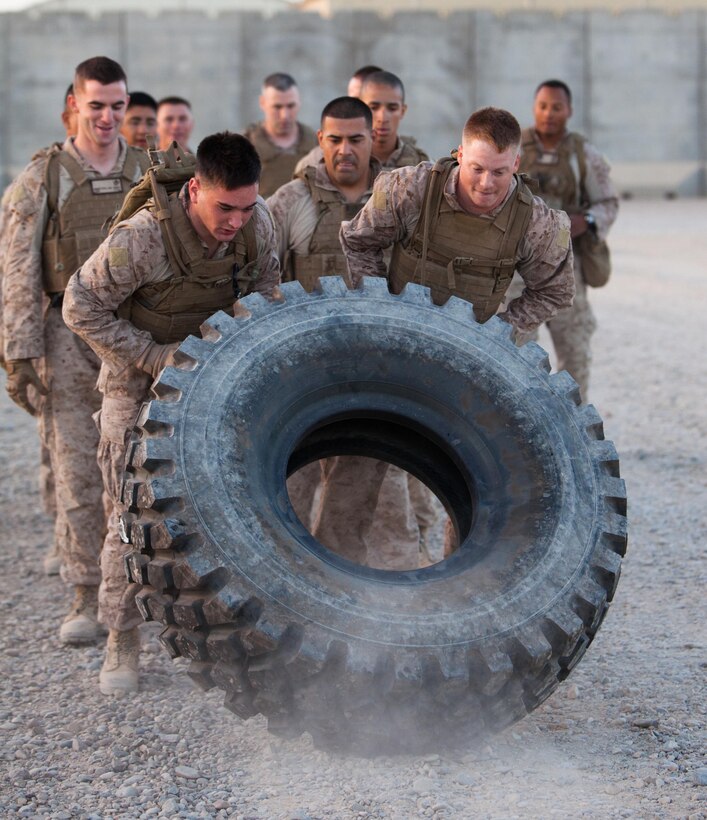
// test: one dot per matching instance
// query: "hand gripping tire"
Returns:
(363, 659)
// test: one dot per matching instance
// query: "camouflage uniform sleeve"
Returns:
(133, 255)
(22, 292)
(603, 199)
(285, 206)
(546, 266)
(389, 216)
(268, 264)
(4, 215)
(295, 216)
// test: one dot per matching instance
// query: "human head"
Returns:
(68, 116)
(280, 103)
(552, 107)
(140, 119)
(384, 94)
(99, 100)
(357, 78)
(224, 188)
(345, 140)
(175, 121)
(488, 157)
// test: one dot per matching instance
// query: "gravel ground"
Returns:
(623, 737)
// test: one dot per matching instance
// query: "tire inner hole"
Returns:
(424, 507)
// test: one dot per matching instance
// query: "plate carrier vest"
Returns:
(556, 176)
(460, 254)
(325, 256)
(175, 308)
(278, 163)
(75, 231)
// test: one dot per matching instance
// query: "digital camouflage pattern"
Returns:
(133, 256)
(390, 216)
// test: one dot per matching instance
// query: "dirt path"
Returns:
(623, 737)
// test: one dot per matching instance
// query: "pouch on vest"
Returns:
(594, 252)
(596, 259)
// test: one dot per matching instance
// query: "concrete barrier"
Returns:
(639, 79)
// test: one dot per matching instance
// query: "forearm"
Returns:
(22, 292)
(601, 194)
(551, 289)
(363, 257)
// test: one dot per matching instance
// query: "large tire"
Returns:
(366, 659)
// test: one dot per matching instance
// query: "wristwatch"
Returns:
(591, 222)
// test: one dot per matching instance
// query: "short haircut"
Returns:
(102, 69)
(228, 160)
(173, 101)
(556, 84)
(143, 99)
(385, 78)
(493, 125)
(348, 108)
(279, 81)
(364, 71)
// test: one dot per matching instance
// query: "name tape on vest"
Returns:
(106, 186)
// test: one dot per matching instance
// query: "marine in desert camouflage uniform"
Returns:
(133, 308)
(477, 222)
(58, 206)
(47, 488)
(575, 177)
(308, 213)
(280, 139)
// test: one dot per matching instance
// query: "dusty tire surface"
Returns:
(363, 659)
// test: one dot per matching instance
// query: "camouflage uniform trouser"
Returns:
(302, 487)
(116, 596)
(70, 369)
(47, 488)
(365, 513)
(423, 503)
(571, 330)
(47, 483)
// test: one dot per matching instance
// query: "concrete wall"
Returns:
(639, 78)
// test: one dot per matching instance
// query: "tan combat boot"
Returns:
(52, 560)
(81, 624)
(119, 671)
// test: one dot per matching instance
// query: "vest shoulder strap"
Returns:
(57, 159)
(431, 201)
(519, 217)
